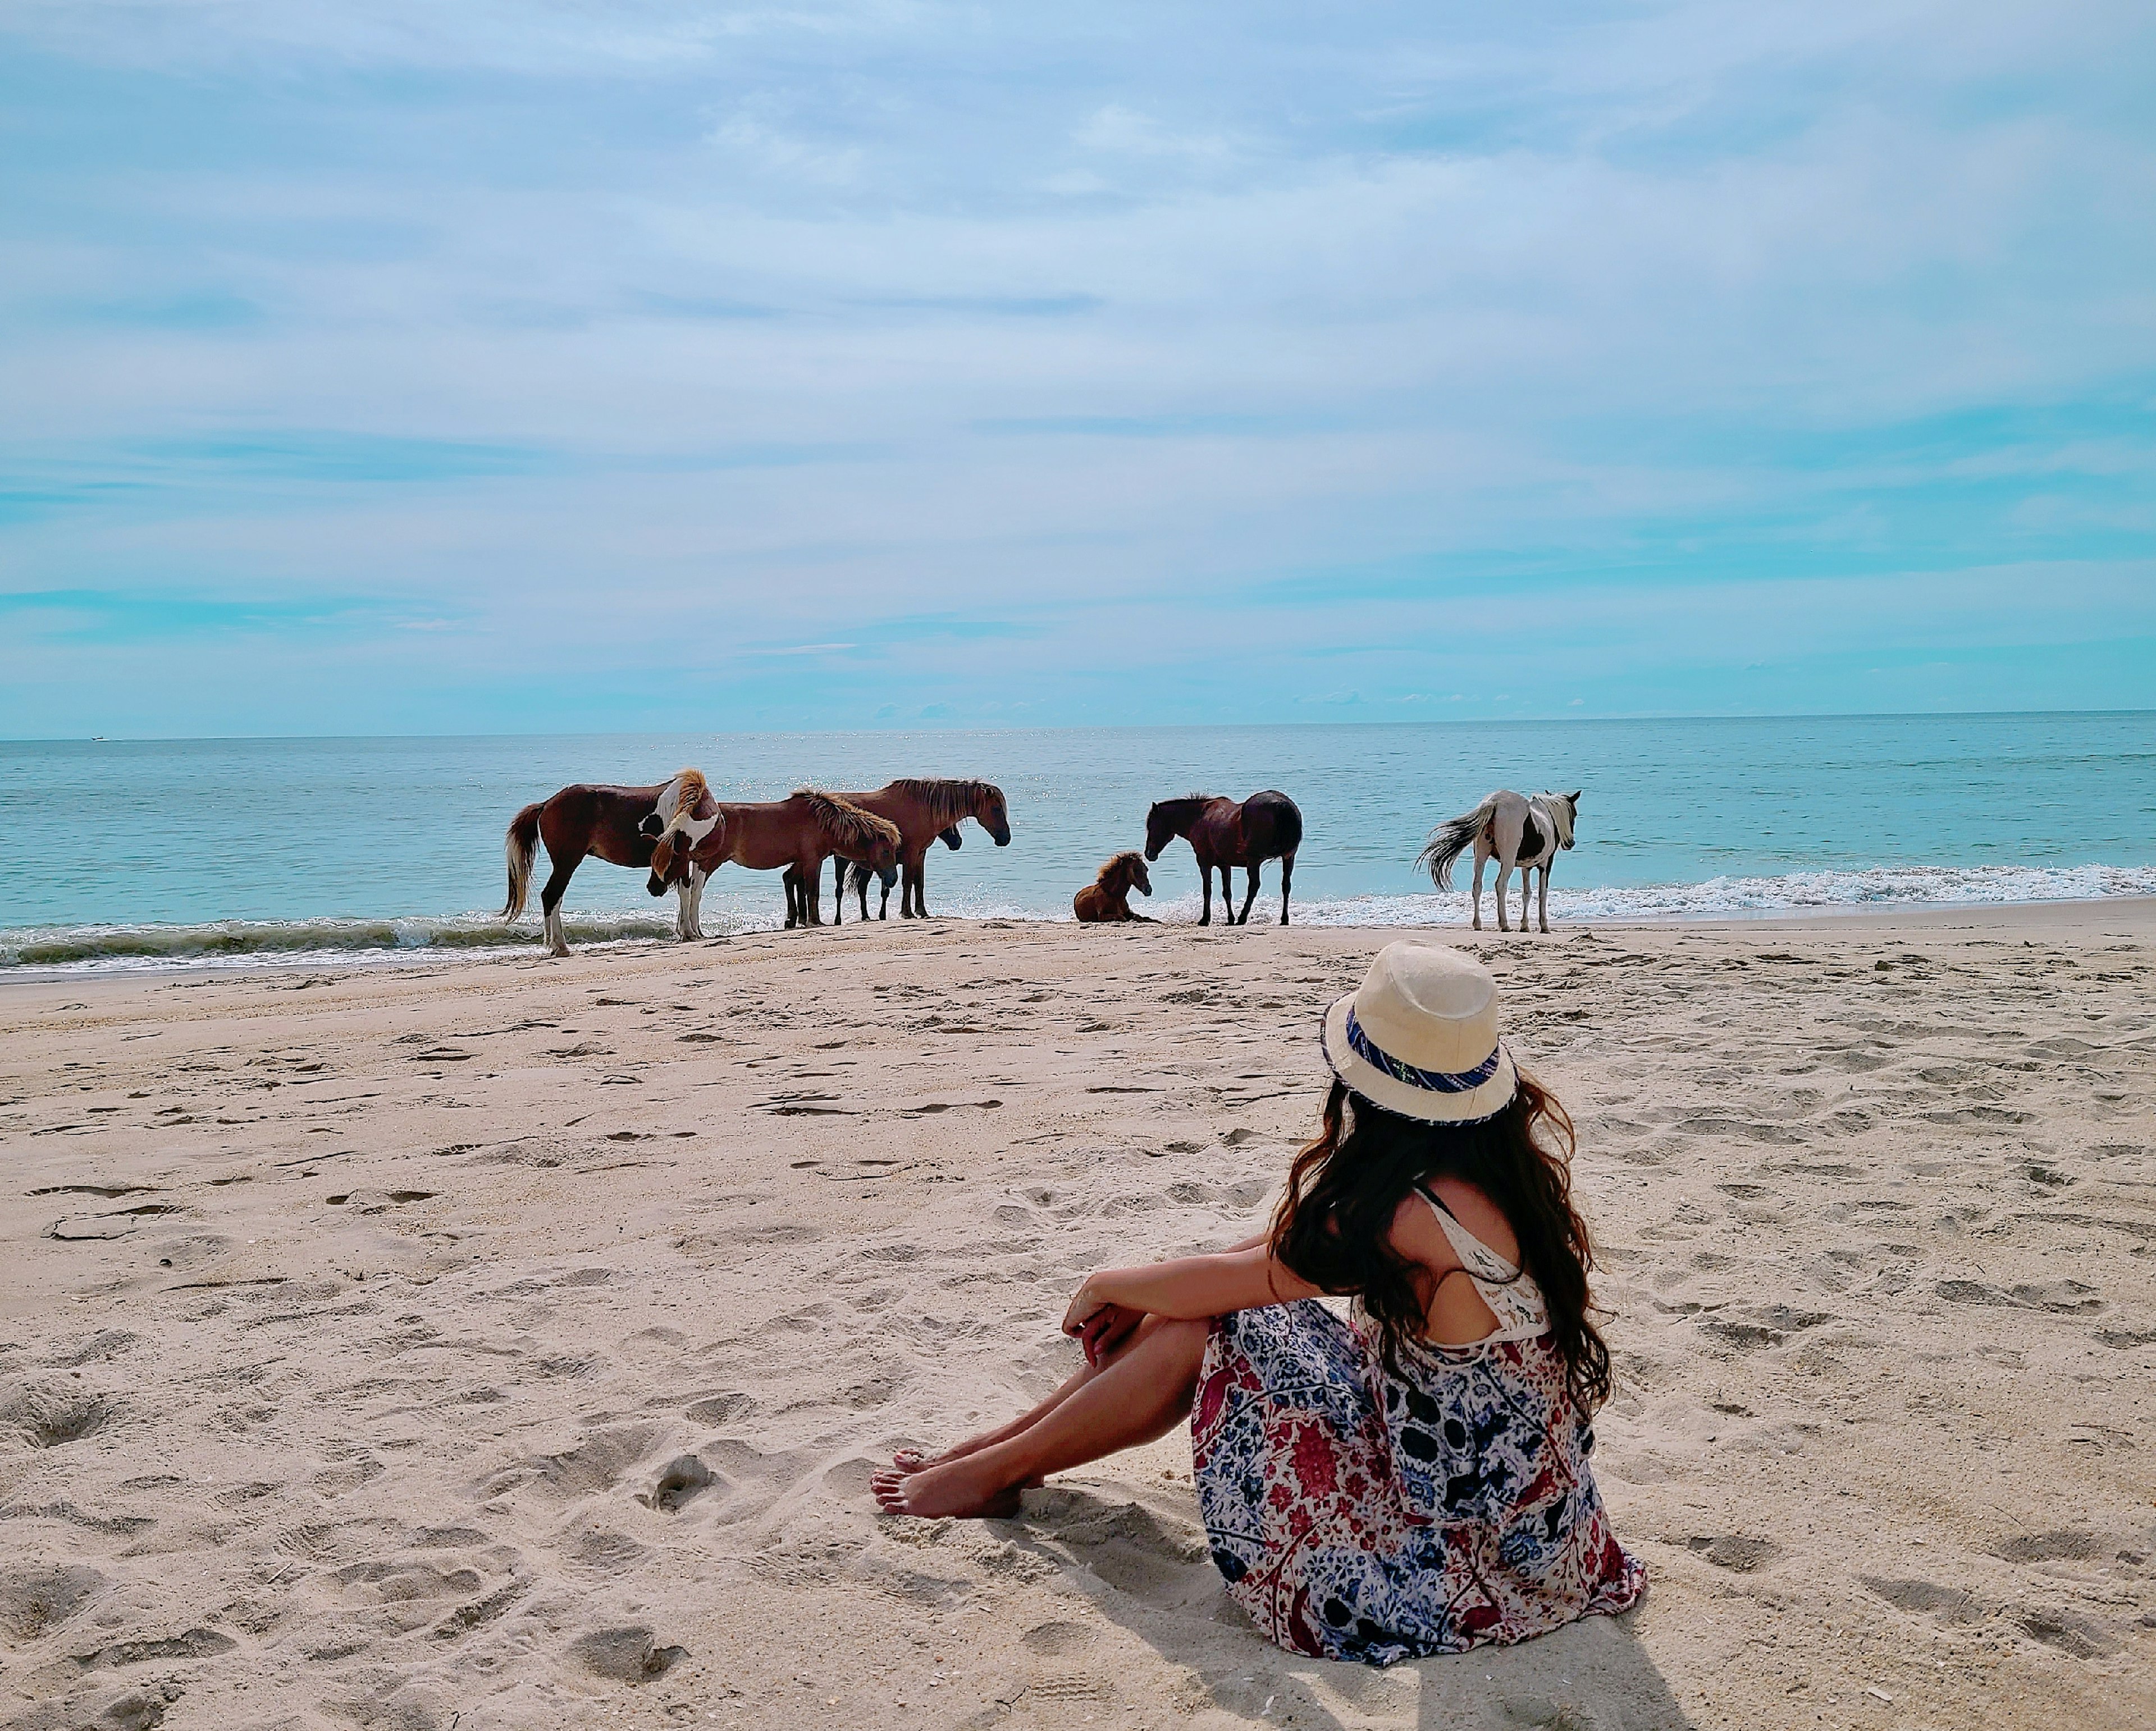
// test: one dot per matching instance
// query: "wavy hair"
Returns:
(1333, 1227)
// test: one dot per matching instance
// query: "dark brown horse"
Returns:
(798, 832)
(581, 821)
(1222, 833)
(852, 873)
(1106, 900)
(924, 809)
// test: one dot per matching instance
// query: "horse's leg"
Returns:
(1205, 890)
(1250, 895)
(1480, 856)
(1287, 877)
(698, 877)
(550, 901)
(792, 898)
(811, 891)
(1545, 900)
(920, 884)
(1504, 883)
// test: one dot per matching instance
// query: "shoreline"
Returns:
(2125, 915)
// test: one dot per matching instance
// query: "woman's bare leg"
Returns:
(913, 1461)
(1144, 1393)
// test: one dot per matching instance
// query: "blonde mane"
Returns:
(855, 830)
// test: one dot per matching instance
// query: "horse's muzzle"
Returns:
(655, 884)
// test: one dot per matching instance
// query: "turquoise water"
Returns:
(142, 853)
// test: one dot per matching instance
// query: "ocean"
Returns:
(150, 854)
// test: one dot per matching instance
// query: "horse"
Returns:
(587, 819)
(800, 831)
(852, 872)
(1106, 900)
(926, 809)
(1519, 831)
(1222, 833)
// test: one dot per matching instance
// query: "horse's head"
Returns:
(952, 838)
(1160, 828)
(1141, 879)
(888, 877)
(992, 814)
(1565, 809)
(669, 864)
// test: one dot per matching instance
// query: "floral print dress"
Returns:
(1356, 1514)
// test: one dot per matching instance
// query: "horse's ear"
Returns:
(1573, 796)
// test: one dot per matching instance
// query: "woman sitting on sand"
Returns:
(1414, 1481)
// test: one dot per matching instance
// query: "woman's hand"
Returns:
(1098, 1324)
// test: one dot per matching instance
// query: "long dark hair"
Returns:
(1334, 1225)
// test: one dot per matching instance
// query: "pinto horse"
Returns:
(925, 809)
(586, 820)
(800, 832)
(1106, 900)
(1518, 831)
(1223, 833)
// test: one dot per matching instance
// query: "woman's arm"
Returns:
(1190, 1286)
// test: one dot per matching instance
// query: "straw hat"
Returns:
(1419, 1036)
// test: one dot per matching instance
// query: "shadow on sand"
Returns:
(1148, 1553)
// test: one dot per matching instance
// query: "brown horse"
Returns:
(800, 832)
(580, 821)
(852, 874)
(1222, 833)
(1106, 900)
(925, 809)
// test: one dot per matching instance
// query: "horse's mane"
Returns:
(689, 790)
(948, 801)
(1127, 863)
(845, 822)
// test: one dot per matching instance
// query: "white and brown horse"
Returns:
(796, 833)
(589, 821)
(1515, 830)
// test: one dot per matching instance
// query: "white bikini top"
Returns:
(1513, 1297)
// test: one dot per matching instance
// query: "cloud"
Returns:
(1033, 356)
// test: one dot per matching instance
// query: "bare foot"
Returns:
(961, 1488)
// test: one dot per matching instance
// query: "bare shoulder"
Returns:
(1417, 1237)
(1480, 1215)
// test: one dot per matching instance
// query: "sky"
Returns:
(503, 367)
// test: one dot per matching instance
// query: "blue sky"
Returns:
(412, 367)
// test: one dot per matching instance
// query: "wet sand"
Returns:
(508, 1344)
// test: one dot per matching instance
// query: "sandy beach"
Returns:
(508, 1344)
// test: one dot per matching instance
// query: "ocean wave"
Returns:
(244, 943)
(1876, 887)
(239, 943)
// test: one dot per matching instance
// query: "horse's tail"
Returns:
(521, 845)
(1451, 839)
(1288, 835)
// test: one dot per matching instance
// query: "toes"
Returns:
(909, 1460)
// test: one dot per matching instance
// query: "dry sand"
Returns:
(510, 1343)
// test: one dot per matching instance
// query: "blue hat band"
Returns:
(1432, 1081)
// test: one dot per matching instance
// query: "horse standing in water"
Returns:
(1106, 900)
(798, 833)
(1223, 833)
(927, 808)
(1516, 832)
(588, 820)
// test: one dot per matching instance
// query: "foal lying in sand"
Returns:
(1106, 900)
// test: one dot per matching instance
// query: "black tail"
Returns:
(1451, 839)
(521, 845)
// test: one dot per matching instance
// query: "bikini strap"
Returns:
(1513, 1298)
